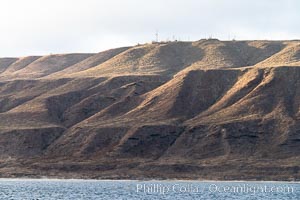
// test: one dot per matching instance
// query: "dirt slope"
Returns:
(207, 109)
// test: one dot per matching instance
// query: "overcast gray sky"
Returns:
(38, 27)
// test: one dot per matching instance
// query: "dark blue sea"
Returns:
(113, 190)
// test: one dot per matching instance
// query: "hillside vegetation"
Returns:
(207, 109)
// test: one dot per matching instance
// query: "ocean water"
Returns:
(92, 189)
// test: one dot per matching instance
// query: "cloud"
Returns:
(55, 26)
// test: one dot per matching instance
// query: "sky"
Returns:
(40, 27)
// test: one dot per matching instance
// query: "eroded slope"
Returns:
(205, 109)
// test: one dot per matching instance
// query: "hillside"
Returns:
(207, 109)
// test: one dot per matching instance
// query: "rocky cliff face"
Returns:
(192, 110)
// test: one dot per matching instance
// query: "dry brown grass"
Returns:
(178, 105)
